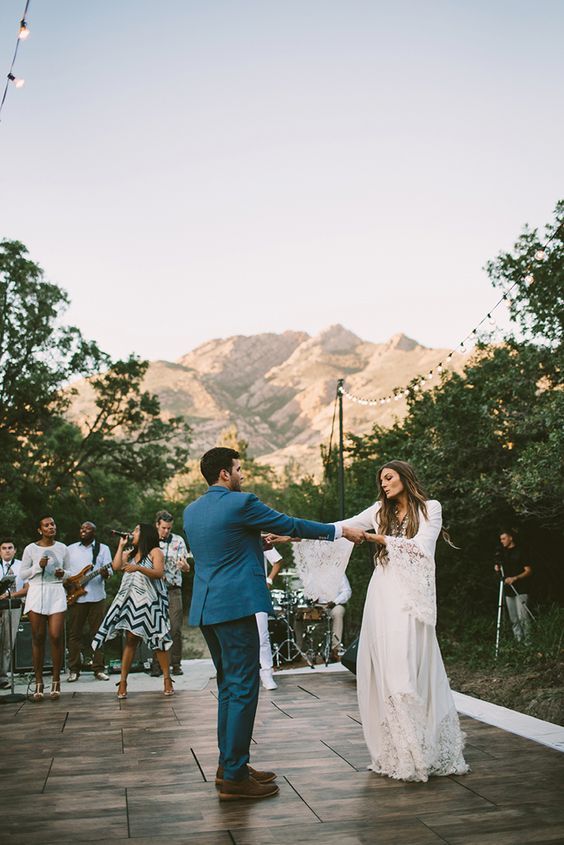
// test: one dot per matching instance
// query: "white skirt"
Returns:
(45, 597)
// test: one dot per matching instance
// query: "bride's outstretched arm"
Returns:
(363, 520)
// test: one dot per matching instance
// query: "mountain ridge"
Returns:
(278, 390)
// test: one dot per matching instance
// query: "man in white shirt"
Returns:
(175, 554)
(9, 565)
(90, 608)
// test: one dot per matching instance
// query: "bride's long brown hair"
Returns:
(416, 499)
(416, 504)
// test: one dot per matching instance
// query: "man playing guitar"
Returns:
(90, 565)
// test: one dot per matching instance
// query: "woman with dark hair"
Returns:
(44, 564)
(408, 715)
(140, 607)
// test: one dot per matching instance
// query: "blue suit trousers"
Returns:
(234, 648)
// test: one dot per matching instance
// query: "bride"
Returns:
(408, 715)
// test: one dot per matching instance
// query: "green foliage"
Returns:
(536, 304)
(102, 469)
(471, 640)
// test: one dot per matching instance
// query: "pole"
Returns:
(341, 473)
(499, 612)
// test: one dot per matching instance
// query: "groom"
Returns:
(223, 528)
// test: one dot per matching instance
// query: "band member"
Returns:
(274, 558)
(336, 610)
(175, 553)
(9, 566)
(140, 606)
(45, 563)
(88, 610)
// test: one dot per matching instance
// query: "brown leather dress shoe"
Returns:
(261, 777)
(239, 790)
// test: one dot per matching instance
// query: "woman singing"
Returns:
(408, 715)
(140, 607)
(44, 564)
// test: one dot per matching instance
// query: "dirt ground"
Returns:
(538, 692)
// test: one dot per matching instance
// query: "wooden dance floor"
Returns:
(88, 768)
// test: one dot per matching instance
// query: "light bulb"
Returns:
(19, 83)
(430, 376)
(440, 369)
(24, 31)
(462, 347)
(540, 255)
(529, 278)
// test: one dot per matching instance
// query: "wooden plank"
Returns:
(142, 771)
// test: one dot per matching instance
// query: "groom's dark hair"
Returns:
(215, 460)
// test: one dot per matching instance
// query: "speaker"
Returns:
(349, 657)
(22, 652)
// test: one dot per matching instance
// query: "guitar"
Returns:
(75, 585)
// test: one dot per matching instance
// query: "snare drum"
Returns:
(310, 613)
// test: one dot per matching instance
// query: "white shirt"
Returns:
(12, 567)
(58, 559)
(345, 591)
(81, 556)
(271, 556)
(174, 550)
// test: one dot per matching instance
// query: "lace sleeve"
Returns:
(415, 574)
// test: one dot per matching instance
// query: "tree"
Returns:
(46, 459)
(536, 278)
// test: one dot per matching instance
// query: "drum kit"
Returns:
(294, 613)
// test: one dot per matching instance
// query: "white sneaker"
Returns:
(267, 680)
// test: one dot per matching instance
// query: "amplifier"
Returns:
(22, 651)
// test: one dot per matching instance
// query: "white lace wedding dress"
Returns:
(408, 715)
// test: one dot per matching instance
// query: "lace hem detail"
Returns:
(408, 752)
(416, 576)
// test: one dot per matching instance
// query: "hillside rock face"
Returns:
(279, 389)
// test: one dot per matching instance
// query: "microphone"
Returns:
(125, 534)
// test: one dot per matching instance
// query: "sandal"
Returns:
(170, 690)
(38, 694)
(121, 694)
(55, 693)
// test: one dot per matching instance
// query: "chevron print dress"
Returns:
(141, 607)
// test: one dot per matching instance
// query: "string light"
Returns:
(18, 82)
(421, 381)
(23, 34)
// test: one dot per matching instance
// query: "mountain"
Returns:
(279, 389)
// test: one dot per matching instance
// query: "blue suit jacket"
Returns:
(223, 529)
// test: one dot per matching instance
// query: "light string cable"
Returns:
(421, 380)
(10, 78)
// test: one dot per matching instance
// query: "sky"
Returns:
(194, 170)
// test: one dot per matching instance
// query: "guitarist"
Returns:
(88, 609)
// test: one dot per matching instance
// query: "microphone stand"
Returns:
(11, 697)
